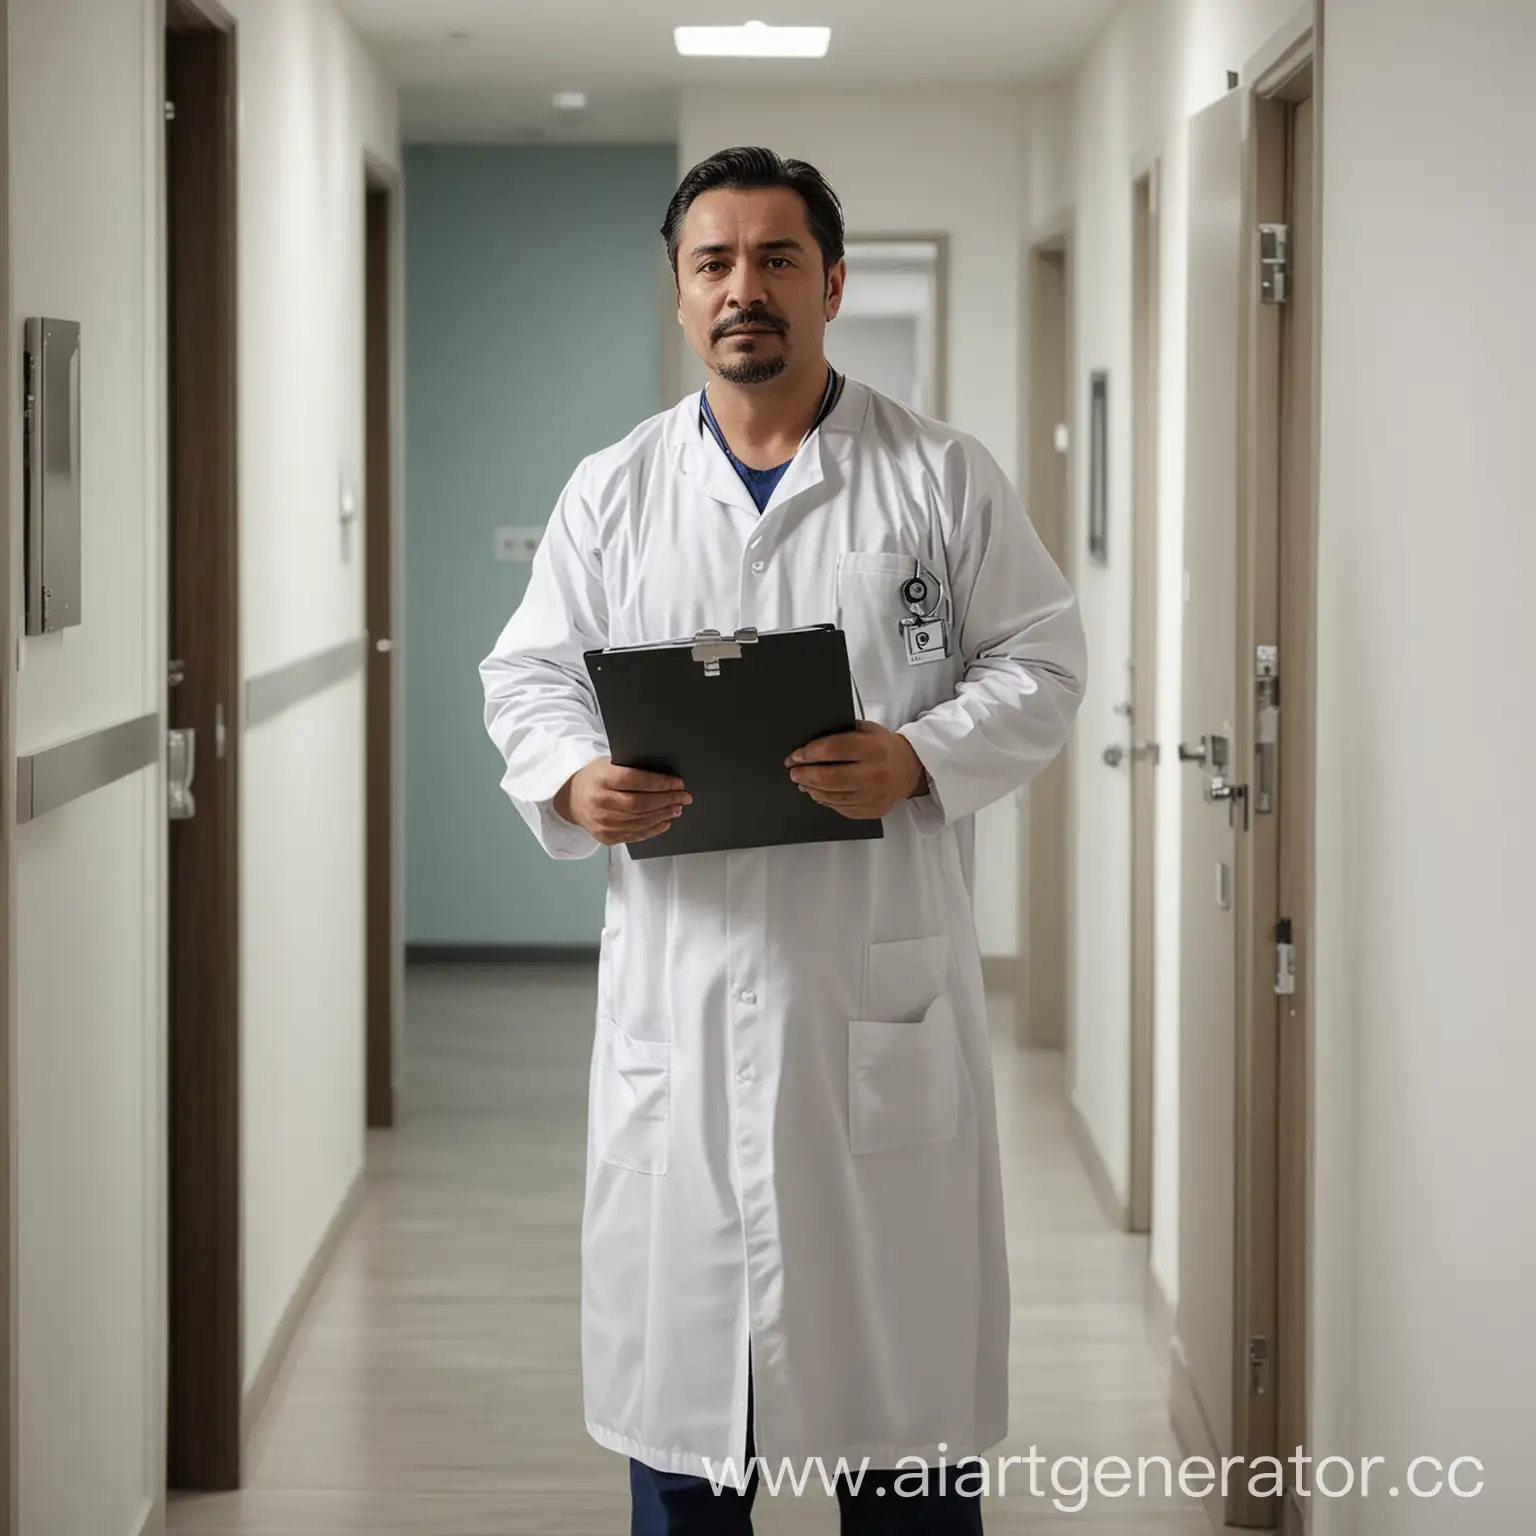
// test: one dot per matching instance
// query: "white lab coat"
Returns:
(792, 1137)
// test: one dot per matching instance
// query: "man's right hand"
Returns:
(621, 805)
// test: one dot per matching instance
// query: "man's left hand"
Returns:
(863, 773)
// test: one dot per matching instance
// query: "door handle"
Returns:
(1219, 790)
(1215, 752)
(180, 765)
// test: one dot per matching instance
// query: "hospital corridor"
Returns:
(764, 768)
(436, 1387)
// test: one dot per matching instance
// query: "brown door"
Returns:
(382, 946)
(1046, 908)
(205, 1276)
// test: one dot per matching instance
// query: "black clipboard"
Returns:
(722, 712)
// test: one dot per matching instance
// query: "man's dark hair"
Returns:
(746, 169)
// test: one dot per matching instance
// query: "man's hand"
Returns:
(621, 805)
(863, 774)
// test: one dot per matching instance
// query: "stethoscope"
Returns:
(915, 593)
(830, 396)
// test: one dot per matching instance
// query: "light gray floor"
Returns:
(436, 1391)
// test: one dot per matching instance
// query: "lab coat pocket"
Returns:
(631, 1112)
(869, 612)
(902, 978)
(903, 1084)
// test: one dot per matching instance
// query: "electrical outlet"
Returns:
(517, 546)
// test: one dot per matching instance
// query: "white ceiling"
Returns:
(497, 82)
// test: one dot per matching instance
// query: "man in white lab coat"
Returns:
(793, 1227)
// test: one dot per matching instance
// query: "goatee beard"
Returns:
(751, 370)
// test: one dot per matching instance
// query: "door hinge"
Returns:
(1274, 263)
(1258, 1365)
(1285, 960)
(170, 111)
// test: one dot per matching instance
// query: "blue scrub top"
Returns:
(762, 482)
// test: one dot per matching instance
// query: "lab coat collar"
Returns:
(699, 456)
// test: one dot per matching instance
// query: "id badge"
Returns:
(926, 639)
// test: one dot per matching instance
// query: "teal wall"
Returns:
(533, 339)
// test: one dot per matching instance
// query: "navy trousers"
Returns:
(675, 1504)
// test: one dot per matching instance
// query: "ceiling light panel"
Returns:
(755, 40)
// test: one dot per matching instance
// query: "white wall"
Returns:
(86, 127)
(89, 1075)
(311, 103)
(919, 162)
(1426, 1229)
(1156, 65)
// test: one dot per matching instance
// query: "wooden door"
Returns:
(206, 1375)
(382, 919)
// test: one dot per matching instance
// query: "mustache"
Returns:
(759, 318)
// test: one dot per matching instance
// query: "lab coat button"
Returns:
(748, 997)
(758, 565)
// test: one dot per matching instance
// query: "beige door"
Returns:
(1239, 1367)
(1142, 749)
(1203, 1347)
(1277, 562)
(1045, 910)
(1298, 539)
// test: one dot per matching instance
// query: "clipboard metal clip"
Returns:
(711, 647)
